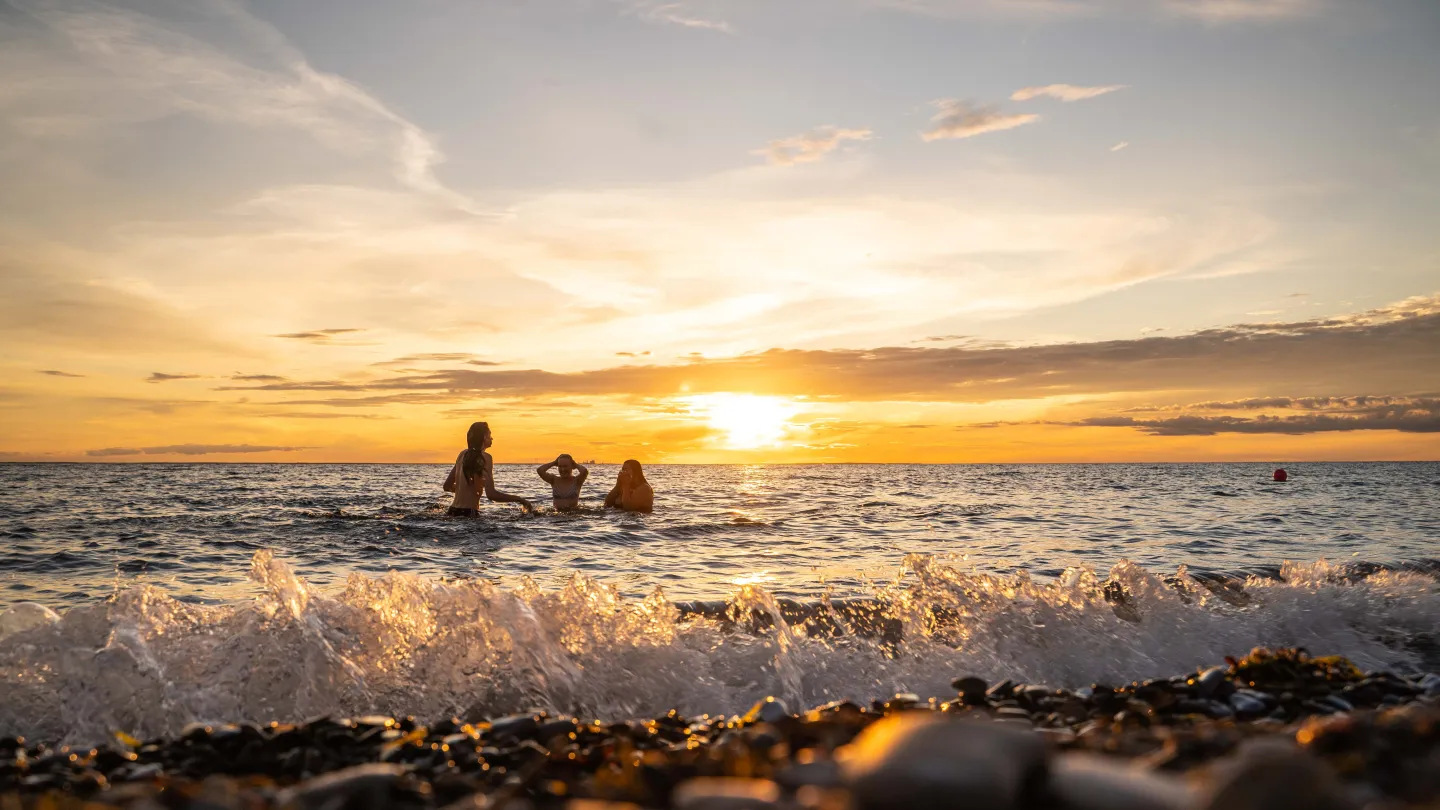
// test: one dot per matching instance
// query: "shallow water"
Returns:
(69, 533)
(239, 592)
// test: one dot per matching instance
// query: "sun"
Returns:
(747, 420)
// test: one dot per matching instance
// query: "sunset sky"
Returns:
(720, 230)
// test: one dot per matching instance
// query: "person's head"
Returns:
(631, 473)
(477, 439)
(565, 464)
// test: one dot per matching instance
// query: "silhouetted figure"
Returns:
(474, 473)
(632, 492)
(565, 483)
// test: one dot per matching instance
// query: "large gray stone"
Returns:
(1090, 782)
(1277, 775)
(921, 761)
(726, 793)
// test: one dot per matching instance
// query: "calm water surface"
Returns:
(69, 534)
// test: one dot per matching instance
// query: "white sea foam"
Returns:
(147, 664)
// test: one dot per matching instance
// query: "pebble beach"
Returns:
(1272, 729)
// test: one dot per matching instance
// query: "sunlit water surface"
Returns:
(70, 533)
(143, 597)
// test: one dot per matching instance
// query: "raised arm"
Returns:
(544, 472)
(495, 495)
(584, 473)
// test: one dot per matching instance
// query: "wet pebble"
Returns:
(972, 690)
(363, 786)
(993, 746)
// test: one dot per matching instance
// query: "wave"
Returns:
(147, 664)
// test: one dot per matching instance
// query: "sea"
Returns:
(144, 597)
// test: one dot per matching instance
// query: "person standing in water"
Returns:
(632, 492)
(565, 486)
(473, 473)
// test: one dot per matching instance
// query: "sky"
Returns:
(720, 230)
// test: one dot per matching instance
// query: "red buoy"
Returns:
(1281, 475)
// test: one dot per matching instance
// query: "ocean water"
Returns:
(144, 597)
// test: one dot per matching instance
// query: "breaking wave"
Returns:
(401, 644)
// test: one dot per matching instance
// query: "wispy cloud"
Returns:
(675, 13)
(1239, 10)
(191, 450)
(317, 335)
(1209, 10)
(961, 119)
(159, 377)
(54, 373)
(810, 146)
(122, 66)
(1120, 146)
(257, 378)
(431, 357)
(1064, 92)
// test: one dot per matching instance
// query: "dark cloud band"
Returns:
(1392, 349)
(190, 450)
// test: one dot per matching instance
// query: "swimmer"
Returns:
(564, 486)
(632, 492)
(473, 473)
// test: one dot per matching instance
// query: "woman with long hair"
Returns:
(632, 492)
(474, 472)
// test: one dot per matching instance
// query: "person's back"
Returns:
(467, 487)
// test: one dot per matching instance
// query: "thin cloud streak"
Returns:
(317, 335)
(191, 450)
(961, 119)
(1220, 11)
(676, 14)
(810, 146)
(1064, 92)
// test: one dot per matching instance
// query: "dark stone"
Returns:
(1208, 682)
(513, 727)
(822, 773)
(972, 690)
(363, 786)
(769, 710)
